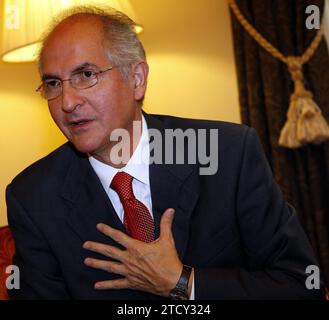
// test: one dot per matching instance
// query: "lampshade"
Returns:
(25, 20)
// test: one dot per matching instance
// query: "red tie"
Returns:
(137, 218)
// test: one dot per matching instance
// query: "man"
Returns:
(91, 223)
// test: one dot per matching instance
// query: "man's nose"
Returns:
(71, 97)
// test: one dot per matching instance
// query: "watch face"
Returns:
(178, 294)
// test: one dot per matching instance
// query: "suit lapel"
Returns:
(88, 202)
(173, 186)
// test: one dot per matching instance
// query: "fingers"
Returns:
(112, 284)
(166, 223)
(116, 235)
(109, 266)
(104, 249)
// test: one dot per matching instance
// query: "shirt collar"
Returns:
(137, 166)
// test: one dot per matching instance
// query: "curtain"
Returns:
(264, 89)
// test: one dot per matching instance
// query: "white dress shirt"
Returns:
(138, 168)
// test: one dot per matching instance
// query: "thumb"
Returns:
(166, 223)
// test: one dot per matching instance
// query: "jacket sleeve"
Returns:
(40, 276)
(276, 249)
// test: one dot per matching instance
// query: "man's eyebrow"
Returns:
(82, 67)
(76, 69)
(49, 76)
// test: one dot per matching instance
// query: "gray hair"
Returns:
(120, 39)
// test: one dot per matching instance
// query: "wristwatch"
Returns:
(180, 291)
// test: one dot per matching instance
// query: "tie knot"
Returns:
(122, 184)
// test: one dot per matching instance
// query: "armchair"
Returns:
(7, 249)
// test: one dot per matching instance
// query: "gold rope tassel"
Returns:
(305, 123)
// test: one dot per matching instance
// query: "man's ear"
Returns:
(140, 74)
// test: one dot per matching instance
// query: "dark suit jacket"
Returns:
(234, 227)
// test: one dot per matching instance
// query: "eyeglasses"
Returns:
(53, 88)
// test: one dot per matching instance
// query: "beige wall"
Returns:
(192, 74)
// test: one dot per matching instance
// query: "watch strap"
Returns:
(180, 292)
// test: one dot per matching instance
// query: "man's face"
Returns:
(87, 117)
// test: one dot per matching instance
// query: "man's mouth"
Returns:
(80, 123)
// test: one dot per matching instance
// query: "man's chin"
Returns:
(85, 147)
